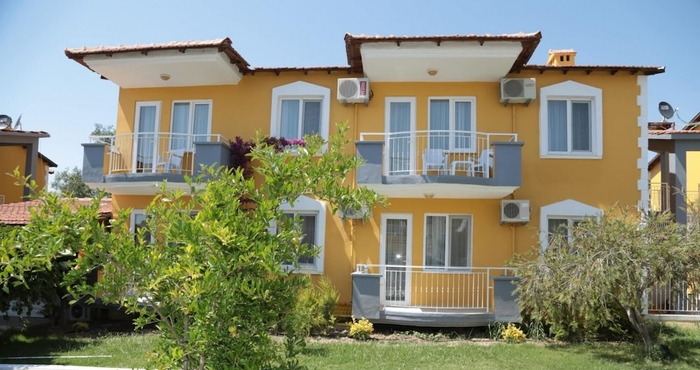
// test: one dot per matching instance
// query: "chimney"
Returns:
(561, 58)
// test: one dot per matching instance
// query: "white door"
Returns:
(399, 125)
(395, 252)
(145, 137)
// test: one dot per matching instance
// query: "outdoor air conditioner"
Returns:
(79, 312)
(351, 213)
(515, 211)
(518, 90)
(353, 90)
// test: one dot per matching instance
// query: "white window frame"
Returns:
(132, 221)
(568, 209)
(190, 124)
(387, 130)
(137, 120)
(470, 254)
(569, 224)
(308, 206)
(452, 123)
(300, 90)
(572, 91)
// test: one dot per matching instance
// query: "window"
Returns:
(555, 216)
(191, 123)
(447, 241)
(299, 109)
(569, 126)
(300, 117)
(312, 215)
(451, 122)
(147, 123)
(562, 226)
(571, 121)
(139, 220)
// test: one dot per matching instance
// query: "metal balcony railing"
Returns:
(152, 152)
(438, 152)
(437, 289)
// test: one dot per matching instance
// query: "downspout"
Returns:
(512, 195)
(353, 255)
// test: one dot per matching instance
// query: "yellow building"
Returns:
(20, 149)
(480, 153)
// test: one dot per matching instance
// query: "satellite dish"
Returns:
(666, 110)
(5, 122)
(18, 125)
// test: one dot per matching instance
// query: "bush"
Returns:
(360, 329)
(315, 306)
(513, 335)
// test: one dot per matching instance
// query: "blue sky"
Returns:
(62, 97)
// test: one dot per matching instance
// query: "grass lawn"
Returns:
(392, 351)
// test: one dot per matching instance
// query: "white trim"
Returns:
(565, 209)
(132, 218)
(447, 229)
(137, 119)
(643, 144)
(190, 124)
(382, 252)
(570, 90)
(305, 205)
(387, 127)
(300, 90)
(452, 100)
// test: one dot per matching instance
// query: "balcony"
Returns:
(131, 163)
(440, 164)
(419, 295)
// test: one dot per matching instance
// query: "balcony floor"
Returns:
(441, 190)
(416, 316)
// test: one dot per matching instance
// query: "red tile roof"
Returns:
(665, 132)
(224, 45)
(24, 133)
(19, 213)
(613, 69)
(353, 42)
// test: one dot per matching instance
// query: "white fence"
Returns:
(674, 299)
(436, 288)
(438, 152)
(153, 152)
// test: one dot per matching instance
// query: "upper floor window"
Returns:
(571, 121)
(299, 109)
(191, 122)
(451, 122)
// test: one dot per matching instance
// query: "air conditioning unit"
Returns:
(79, 312)
(518, 90)
(353, 90)
(354, 213)
(515, 211)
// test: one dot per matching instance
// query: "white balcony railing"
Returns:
(152, 152)
(438, 289)
(674, 299)
(438, 152)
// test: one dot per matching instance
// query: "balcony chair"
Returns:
(434, 159)
(171, 161)
(482, 165)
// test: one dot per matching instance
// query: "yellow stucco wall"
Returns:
(243, 109)
(15, 156)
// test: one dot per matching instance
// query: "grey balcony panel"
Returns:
(508, 166)
(211, 153)
(365, 295)
(505, 302)
(93, 161)
(370, 172)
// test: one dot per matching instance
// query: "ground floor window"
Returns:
(562, 226)
(448, 241)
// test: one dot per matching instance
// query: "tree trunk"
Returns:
(201, 362)
(637, 322)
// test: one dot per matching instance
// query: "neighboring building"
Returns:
(20, 149)
(476, 168)
(18, 214)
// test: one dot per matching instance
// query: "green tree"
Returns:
(595, 274)
(214, 283)
(102, 130)
(69, 183)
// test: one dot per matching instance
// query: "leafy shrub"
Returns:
(513, 335)
(360, 329)
(315, 306)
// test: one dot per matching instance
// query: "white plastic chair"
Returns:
(171, 161)
(434, 159)
(482, 164)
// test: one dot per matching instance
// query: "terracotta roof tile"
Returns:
(223, 44)
(645, 70)
(353, 42)
(665, 132)
(19, 213)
